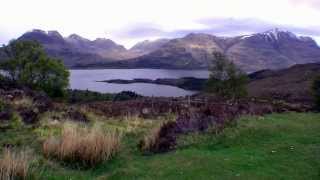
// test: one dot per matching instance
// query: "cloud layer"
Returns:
(128, 21)
(216, 26)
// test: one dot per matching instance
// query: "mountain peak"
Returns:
(148, 46)
(38, 31)
(55, 34)
(276, 33)
(76, 37)
(198, 35)
(43, 37)
(104, 42)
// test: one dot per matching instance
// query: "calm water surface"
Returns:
(86, 79)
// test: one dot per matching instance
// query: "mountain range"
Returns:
(274, 49)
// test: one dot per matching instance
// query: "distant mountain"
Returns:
(77, 51)
(146, 47)
(105, 48)
(60, 47)
(273, 49)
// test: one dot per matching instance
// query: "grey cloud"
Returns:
(216, 26)
(234, 26)
(140, 30)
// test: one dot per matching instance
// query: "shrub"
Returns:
(82, 146)
(14, 165)
(226, 80)
(29, 65)
(316, 91)
(126, 95)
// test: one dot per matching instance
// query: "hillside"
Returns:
(292, 84)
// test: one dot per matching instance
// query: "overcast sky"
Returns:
(129, 21)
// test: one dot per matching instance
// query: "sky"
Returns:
(129, 21)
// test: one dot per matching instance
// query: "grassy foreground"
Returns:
(277, 146)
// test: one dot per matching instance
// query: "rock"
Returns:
(6, 112)
(29, 116)
(5, 115)
(165, 141)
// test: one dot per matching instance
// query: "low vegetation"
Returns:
(82, 145)
(84, 96)
(126, 95)
(277, 146)
(15, 165)
(316, 91)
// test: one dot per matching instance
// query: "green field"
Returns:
(277, 146)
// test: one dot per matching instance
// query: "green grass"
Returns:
(277, 146)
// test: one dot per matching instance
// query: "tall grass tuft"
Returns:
(160, 139)
(14, 165)
(150, 140)
(82, 145)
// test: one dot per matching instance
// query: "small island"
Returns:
(187, 83)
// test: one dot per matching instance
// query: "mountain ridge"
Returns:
(269, 50)
(273, 49)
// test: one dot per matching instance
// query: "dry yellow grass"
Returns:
(151, 138)
(82, 145)
(14, 165)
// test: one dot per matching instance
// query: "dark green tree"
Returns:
(226, 80)
(316, 91)
(28, 65)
